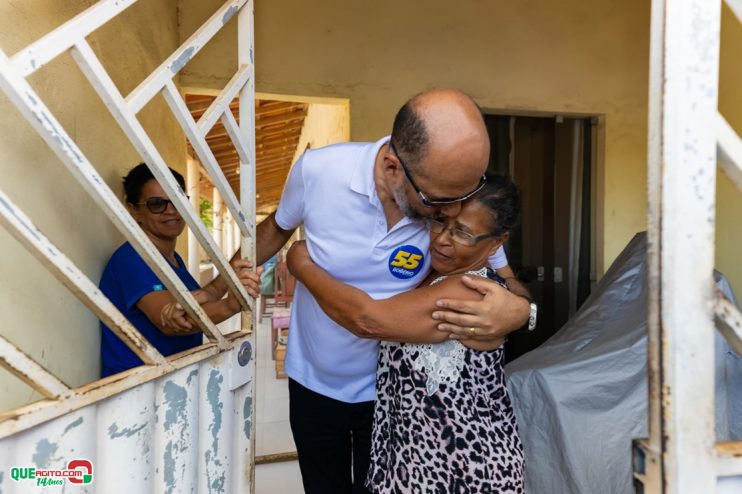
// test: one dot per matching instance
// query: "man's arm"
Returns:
(403, 317)
(513, 283)
(270, 238)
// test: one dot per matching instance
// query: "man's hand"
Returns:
(250, 279)
(495, 316)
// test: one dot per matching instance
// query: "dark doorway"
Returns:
(551, 161)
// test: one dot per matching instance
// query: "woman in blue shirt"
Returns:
(139, 294)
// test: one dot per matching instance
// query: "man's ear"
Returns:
(391, 162)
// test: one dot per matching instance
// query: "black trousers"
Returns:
(333, 441)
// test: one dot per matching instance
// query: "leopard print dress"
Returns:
(443, 421)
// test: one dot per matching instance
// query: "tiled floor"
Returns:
(273, 431)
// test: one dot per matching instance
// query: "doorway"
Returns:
(552, 160)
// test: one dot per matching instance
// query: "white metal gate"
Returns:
(686, 137)
(178, 424)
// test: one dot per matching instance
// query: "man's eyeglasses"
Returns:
(457, 234)
(156, 205)
(428, 202)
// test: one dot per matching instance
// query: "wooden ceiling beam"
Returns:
(198, 107)
(278, 108)
(292, 136)
(273, 161)
(274, 173)
(273, 184)
(218, 132)
(278, 146)
(294, 132)
(283, 117)
(276, 153)
(261, 164)
(287, 153)
(278, 130)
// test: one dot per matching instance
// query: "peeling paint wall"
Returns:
(36, 312)
(185, 432)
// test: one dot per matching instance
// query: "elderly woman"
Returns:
(137, 292)
(443, 421)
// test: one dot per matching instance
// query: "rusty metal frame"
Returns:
(59, 398)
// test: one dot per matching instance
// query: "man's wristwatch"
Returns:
(532, 316)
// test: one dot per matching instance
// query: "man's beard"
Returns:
(400, 197)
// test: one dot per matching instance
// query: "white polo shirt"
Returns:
(331, 191)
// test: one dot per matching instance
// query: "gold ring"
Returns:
(472, 331)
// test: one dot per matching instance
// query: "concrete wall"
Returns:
(729, 198)
(324, 124)
(36, 312)
(576, 56)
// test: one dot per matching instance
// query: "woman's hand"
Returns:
(499, 313)
(298, 258)
(173, 316)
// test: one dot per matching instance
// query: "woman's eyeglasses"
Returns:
(457, 234)
(156, 205)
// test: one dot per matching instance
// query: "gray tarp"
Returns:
(581, 397)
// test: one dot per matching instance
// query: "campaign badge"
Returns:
(406, 261)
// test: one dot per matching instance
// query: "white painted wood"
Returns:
(654, 213)
(46, 49)
(193, 184)
(233, 129)
(730, 151)
(30, 372)
(223, 100)
(183, 432)
(174, 63)
(23, 230)
(244, 452)
(216, 216)
(184, 425)
(729, 323)
(729, 460)
(688, 150)
(204, 153)
(736, 7)
(101, 81)
(37, 114)
(34, 414)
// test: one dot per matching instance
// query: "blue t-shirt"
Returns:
(125, 280)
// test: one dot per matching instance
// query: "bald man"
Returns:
(361, 205)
